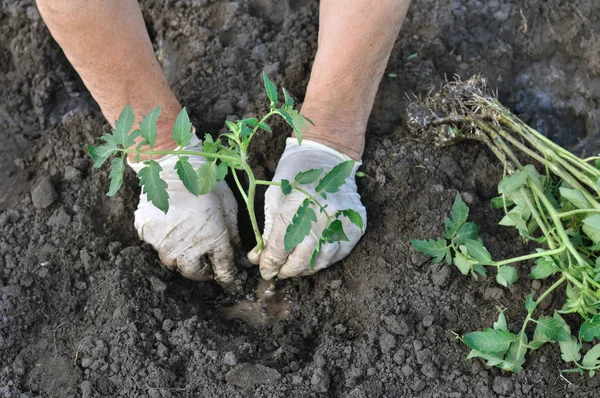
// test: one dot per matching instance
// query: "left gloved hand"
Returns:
(280, 209)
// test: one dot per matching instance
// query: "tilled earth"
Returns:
(87, 311)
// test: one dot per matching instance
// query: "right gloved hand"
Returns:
(197, 235)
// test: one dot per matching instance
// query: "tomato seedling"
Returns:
(558, 207)
(229, 153)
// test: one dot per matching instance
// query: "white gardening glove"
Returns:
(280, 209)
(197, 235)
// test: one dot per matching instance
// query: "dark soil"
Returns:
(87, 311)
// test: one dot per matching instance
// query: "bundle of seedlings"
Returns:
(552, 197)
(229, 153)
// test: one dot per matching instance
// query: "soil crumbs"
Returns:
(86, 310)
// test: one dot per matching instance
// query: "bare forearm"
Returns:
(107, 43)
(355, 41)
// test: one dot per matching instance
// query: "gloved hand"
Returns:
(280, 209)
(197, 234)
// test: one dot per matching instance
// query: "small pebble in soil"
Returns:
(230, 359)
(428, 320)
(43, 193)
(336, 284)
(247, 375)
(320, 380)
(503, 385)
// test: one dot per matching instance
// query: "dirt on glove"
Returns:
(85, 308)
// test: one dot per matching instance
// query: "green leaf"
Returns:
(591, 358)
(289, 101)
(501, 323)
(265, 127)
(591, 227)
(551, 330)
(315, 253)
(271, 89)
(515, 357)
(251, 121)
(507, 275)
(575, 197)
(530, 303)
(295, 120)
(308, 176)
(222, 170)
(478, 251)
(489, 340)
(187, 175)
(209, 145)
(148, 127)
(335, 178)
(153, 186)
(512, 182)
(460, 211)
(122, 128)
(570, 351)
(353, 216)
(491, 359)
(117, 167)
(335, 233)
(286, 187)
(182, 130)
(467, 231)
(463, 264)
(590, 329)
(300, 226)
(101, 153)
(207, 178)
(245, 131)
(478, 269)
(497, 203)
(544, 267)
(437, 249)
(450, 229)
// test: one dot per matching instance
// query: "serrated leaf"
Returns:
(491, 359)
(182, 130)
(207, 178)
(122, 128)
(117, 167)
(501, 323)
(271, 89)
(335, 233)
(530, 303)
(570, 351)
(286, 187)
(335, 178)
(507, 275)
(315, 253)
(515, 356)
(590, 329)
(245, 131)
(512, 182)
(544, 267)
(460, 211)
(289, 101)
(300, 226)
(591, 358)
(352, 215)
(463, 264)
(187, 175)
(478, 269)
(251, 121)
(467, 231)
(308, 176)
(450, 229)
(101, 153)
(148, 127)
(265, 127)
(478, 251)
(222, 171)
(591, 227)
(575, 197)
(209, 145)
(153, 186)
(435, 248)
(551, 330)
(489, 341)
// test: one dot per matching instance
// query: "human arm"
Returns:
(355, 41)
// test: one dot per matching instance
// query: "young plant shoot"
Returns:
(555, 203)
(229, 153)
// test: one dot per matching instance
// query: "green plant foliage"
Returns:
(224, 155)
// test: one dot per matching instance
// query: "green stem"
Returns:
(530, 256)
(303, 191)
(578, 211)
(239, 185)
(211, 156)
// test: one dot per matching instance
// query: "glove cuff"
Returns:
(195, 144)
(291, 145)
